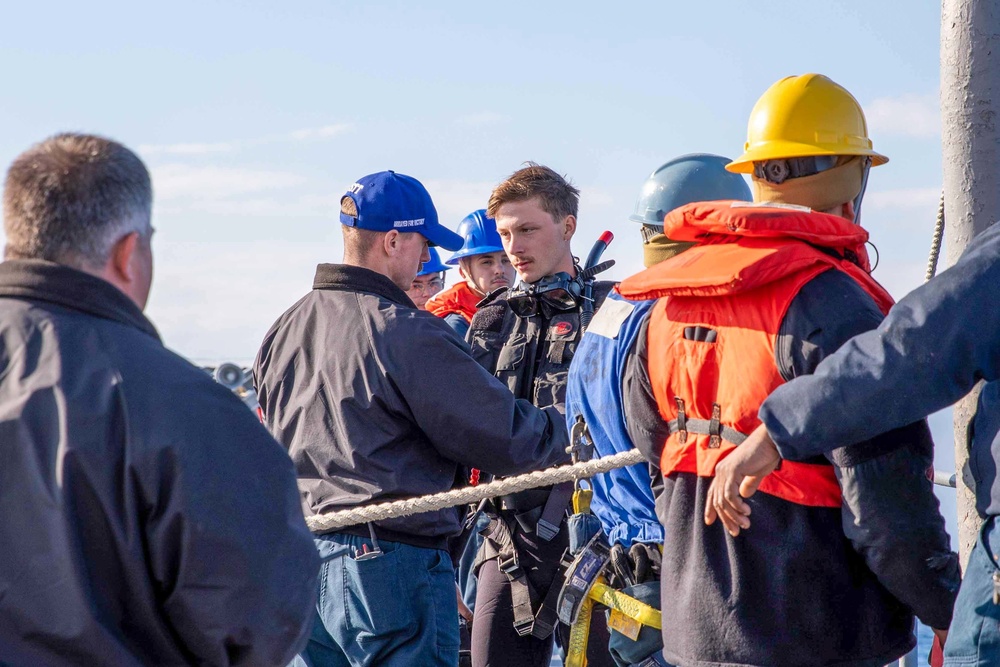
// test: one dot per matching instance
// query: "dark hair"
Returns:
(70, 198)
(558, 198)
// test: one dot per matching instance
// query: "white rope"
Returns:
(324, 523)
(932, 259)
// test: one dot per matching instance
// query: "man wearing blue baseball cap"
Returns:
(376, 400)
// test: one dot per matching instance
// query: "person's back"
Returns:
(623, 498)
(122, 460)
(825, 577)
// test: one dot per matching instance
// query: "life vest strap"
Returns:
(709, 427)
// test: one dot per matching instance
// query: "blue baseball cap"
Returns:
(387, 201)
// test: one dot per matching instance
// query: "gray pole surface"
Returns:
(970, 93)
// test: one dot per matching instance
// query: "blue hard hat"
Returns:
(687, 179)
(480, 234)
(434, 265)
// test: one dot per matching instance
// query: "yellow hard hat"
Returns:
(801, 116)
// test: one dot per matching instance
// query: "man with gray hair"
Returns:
(145, 516)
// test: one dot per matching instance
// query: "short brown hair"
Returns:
(357, 242)
(558, 197)
(70, 198)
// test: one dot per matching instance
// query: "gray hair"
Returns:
(70, 198)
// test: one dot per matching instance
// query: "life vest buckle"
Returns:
(682, 434)
(715, 427)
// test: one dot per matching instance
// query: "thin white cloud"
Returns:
(925, 199)
(182, 181)
(483, 118)
(284, 205)
(185, 149)
(206, 148)
(907, 115)
(456, 199)
(325, 132)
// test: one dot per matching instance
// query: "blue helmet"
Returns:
(480, 234)
(433, 266)
(683, 180)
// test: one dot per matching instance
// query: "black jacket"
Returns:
(377, 400)
(146, 517)
(804, 585)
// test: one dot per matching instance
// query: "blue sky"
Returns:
(254, 117)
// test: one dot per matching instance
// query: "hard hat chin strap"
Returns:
(865, 169)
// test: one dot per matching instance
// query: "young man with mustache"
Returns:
(526, 337)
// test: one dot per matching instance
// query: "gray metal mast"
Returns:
(970, 139)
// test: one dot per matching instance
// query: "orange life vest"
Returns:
(459, 298)
(711, 342)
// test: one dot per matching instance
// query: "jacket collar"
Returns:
(39, 280)
(345, 277)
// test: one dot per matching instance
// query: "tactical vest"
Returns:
(711, 342)
(531, 355)
(459, 298)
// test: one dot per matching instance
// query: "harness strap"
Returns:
(499, 545)
(554, 511)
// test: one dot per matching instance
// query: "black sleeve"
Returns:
(467, 414)
(645, 426)
(890, 513)
(830, 309)
(228, 547)
(485, 334)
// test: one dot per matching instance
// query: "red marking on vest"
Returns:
(562, 328)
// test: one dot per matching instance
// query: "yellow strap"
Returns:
(576, 652)
(626, 604)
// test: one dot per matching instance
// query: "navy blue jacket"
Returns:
(146, 517)
(376, 400)
(930, 351)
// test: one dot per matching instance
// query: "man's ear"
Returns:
(849, 213)
(569, 227)
(120, 261)
(391, 242)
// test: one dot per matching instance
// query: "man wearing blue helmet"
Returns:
(484, 267)
(376, 400)
(623, 498)
(429, 280)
